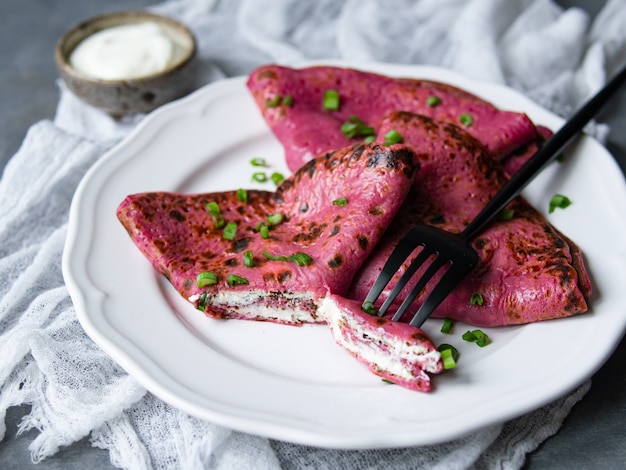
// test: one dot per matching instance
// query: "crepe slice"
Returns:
(292, 103)
(331, 213)
(528, 271)
(394, 351)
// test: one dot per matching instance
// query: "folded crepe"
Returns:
(287, 256)
(291, 101)
(528, 271)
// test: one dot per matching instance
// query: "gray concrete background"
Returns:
(593, 435)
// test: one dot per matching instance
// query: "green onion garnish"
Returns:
(230, 231)
(202, 302)
(369, 138)
(506, 214)
(275, 219)
(466, 119)
(273, 102)
(560, 201)
(258, 161)
(341, 201)
(354, 127)
(392, 137)
(449, 355)
(301, 259)
(387, 381)
(264, 230)
(469, 336)
(288, 100)
(214, 210)
(331, 100)
(206, 279)
(447, 325)
(248, 259)
(233, 279)
(478, 337)
(277, 178)
(368, 307)
(476, 299)
(433, 101)
(242, 195)
(259, 176)
(272, 257)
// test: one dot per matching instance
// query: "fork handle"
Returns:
(551, 148)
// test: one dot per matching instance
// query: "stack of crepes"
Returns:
(311, 250)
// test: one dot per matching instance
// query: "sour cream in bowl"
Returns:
(127, 62)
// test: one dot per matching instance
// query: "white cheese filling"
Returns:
(374, 346)
(286, 307)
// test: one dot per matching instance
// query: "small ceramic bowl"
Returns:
(120, 97)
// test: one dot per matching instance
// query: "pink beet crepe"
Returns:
(528, 271)
(178, 235)
(306, 129)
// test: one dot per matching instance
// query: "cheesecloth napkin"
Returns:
(76, 390)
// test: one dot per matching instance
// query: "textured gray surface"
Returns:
(592, 436)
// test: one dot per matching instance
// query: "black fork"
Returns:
(453, 252)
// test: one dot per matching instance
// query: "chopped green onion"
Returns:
(354, 127)
(342, 201)
(506, 214)
(214, 210)
(258, 161)
(288, 100)
(203, 302)
(206, 279)
(466, 119)
(233, 279)
(331, 100)
(272, 257)
(469, 336)
(478, 337)
(560, 201)
(387, 381)
(392, 137)
(275, 219)
(248, 259)
(242, 195)
(482, 341)
(560, 157)
(368, 307)
(433, 101)
(449, 355)
(301, 259)
(447, 325)
(212, 207)
(448, 359)
(369, 138)
(264, 230)
(259, 176)
(272, 103)
(476, 299)
(230, 231)
(277, 178)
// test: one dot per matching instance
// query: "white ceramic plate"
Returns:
(295, 384)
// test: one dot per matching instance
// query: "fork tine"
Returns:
(399, 255)
(453, 276)
(437, 264)
(408, 274)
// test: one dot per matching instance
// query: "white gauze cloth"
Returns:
(76, 390)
